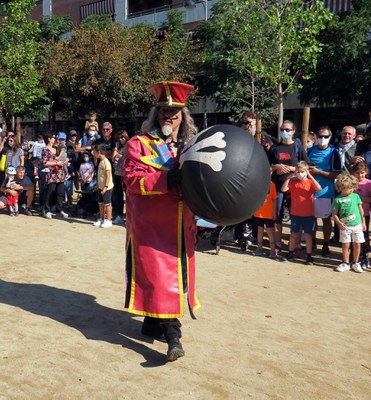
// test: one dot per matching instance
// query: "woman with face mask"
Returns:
(284, 158)
(118, 190)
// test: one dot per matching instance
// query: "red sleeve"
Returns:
(140, 178)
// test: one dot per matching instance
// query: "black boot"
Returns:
(175, 350)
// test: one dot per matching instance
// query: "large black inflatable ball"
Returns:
(225, 174)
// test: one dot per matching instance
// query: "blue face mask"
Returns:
(285, 135)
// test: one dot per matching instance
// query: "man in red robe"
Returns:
(160, 228)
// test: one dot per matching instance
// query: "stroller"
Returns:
(87, 204)
(216, 234)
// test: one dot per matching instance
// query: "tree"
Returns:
(269, 43)
(108, 68)
(19, 80)
(343, 74)
(52, 26)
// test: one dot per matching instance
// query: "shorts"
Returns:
(352, 234)
(12, 200)
(268, 223)
(106, 198)
(299, 223)
(322, 207)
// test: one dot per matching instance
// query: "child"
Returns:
(86, 171)
(91, 121)
(360, 171)
(348, 214)
(12, 199)
(264, 217)
(104, 186)
(62, 152)
(302, 186)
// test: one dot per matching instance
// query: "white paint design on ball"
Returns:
(193, 152)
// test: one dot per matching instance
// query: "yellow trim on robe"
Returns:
(180, 272)
(148, 160)
(132, 289)
(143, 190)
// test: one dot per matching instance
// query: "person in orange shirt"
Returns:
(302, 186)
(265, 217)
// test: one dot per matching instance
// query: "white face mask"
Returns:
(285, 135)
(309, 145)
(301, 175)
(323, 141)
(122, 141)
(91, 133)
(86, 159)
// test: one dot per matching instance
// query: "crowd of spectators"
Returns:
(57, 174)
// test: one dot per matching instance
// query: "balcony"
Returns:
(104, 7)
(157, 16)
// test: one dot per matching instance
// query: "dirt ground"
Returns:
(266, 329)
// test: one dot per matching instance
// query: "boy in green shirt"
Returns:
(348, 214)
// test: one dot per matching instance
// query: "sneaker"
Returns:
(118, 220)
(99, 222)
(309, 260)
(106, 224)
(272, 254)
(365, 266)
(289, 255)
(28, 212)
(48, 215)
(357, 267)
(258, 252)
(325, 251)
(11, 214)
(16, 214)
(63, 214)
(175, 350)
(343, 267)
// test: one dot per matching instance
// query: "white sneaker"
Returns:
(343, 267)
(99, 222)
(64, 215)
(118, 220)
(357, 268)
(365, 266)
(48, 215)
(106, 224)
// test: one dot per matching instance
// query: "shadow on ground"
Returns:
(80, 311)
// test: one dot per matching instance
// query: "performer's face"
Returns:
(170, 116)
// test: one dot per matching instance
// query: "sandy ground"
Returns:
(266, 329)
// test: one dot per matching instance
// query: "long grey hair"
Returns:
(187, 127)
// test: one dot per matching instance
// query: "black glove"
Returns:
(174, 178)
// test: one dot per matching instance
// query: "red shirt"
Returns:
(302, 195)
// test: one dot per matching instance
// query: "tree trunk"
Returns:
(280, 108)
(18, 129)
(305, 127)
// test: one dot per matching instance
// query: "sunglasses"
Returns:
(106, 129)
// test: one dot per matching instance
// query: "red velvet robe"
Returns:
(158, 224)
